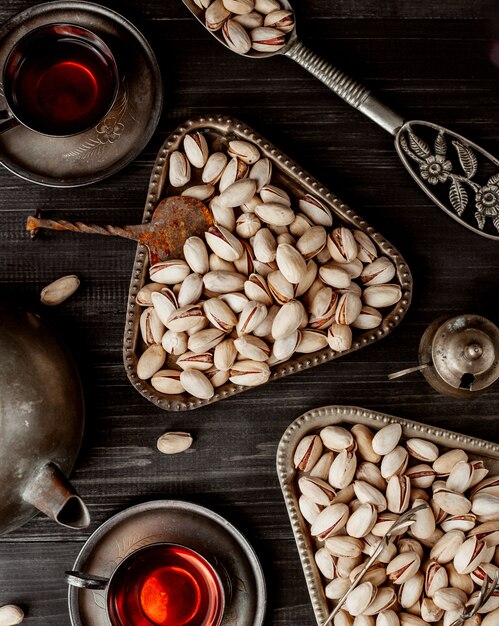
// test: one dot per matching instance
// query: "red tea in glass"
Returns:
(165, 585)
(60, 79)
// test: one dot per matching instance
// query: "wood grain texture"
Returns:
(429, 60)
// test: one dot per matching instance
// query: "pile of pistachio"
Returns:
(354, 484)
(266, 283)
(260, 25)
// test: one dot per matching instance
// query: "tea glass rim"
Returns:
(11, 109)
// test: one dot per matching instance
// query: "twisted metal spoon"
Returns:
(458, 175)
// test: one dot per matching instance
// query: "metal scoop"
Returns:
(459, 176)
(174, 220)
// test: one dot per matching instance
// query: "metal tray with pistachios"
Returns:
(287, 276)
(349, 474)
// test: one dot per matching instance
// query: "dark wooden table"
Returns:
(430, 60)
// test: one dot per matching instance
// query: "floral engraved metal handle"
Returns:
(471, 174)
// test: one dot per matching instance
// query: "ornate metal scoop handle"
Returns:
(488, 587)
(344, 86)
(404, 521)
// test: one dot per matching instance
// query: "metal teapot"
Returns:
(41, 423)
(458, 356)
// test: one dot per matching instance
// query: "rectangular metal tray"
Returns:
(219, 131)
(313, 421)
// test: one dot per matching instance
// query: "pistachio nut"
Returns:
(310, 510)
(282, 20)
(217, 377)
(403, 567)
(470, 554)
(406, 544)
(10, 615)
(488, 531)
(435, 578)
(397, 494)
(261, 172)
(360, 598)
(366, 493)
(368, 318)
(196, 255)
(252, 348)
(395, 462)
(342, 245)
(174, 442)
(421, 449)
(308, 452)
(487, 485)
(271, 193)
(174, 343)
(264, 329)
(215, 15)
(339, 337)
(382, 296)
(329, 522)
(59, 290)
(249, 373)
(335, 276)
(185, 318)
(265, 246)
(491, 618)
(236, 37)
(364, 437)
(280, 288)
(180, 169)
(430, 612)
(204, 340)
(284, 348)
(479, 472)
(167, 381)
(370, 473)
(459, 522)
(384, 599)
(408, 619)
(387, 618)
(190, 290)
(425, 524)
(378, 272)
(197, 384)
(348, 309)
(322, 466)
(387, 439)
(287, 319)
(459, 581)
(192, 361)
(247, 225)
(312, 241)
(366, 248)
(316, 211)
(223, 243)
(196, 149)
(251, 316)
(143, 297)
(244, 150)
(150, 361)
(235, 169)
(343, 469)
(316, 490)
(343, 546)
(447, 546)
(224, 282)
(485, 506)
(444, 463)
(214, 168)
(325, 563)
(275, 214)
(335, 590)
(452, 502)
(449, 599)
(311, 341)
(422, 475)
(337, 438)
(410, 591)
(151, 327)
(361, 521)
(345, 565)
(169, 272)
(483, 571)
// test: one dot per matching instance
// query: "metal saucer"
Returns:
(112, 144)
(179, 522)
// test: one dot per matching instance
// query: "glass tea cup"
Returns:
(162, 584)
(58, 80)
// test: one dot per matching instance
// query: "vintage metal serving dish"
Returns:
(311, 423)
(219, 130)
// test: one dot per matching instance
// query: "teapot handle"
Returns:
(86, 581)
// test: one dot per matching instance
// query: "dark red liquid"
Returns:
(61, 84)
(165, 586)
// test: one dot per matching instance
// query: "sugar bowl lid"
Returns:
(465, 352)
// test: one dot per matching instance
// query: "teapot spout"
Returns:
(51, 493)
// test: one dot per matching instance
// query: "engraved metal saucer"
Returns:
(91, 156)
(178, 522)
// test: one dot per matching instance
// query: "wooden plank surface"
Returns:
(430, 60)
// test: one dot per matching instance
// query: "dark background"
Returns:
(430, 60)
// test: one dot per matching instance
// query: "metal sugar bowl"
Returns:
(41, 423)
(458, 356)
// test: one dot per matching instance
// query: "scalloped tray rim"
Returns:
(337, 414)
(226, 125)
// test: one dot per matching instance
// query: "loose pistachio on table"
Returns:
(265, 282)
(354, 483)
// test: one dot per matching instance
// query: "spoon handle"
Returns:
(353, 92)
(34, 223)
